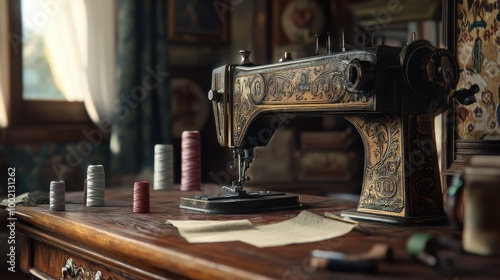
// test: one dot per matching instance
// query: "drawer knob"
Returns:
(72, 271)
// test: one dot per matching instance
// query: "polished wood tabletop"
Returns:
(144, 246)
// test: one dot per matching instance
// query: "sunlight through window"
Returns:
(54, 49)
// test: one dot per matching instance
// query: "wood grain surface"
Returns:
(143, 246)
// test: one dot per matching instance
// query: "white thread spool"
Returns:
(95, 185)
(163, 167)
(57, 196)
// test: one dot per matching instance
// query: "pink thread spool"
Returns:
(191, 161)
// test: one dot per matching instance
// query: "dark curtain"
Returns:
(141, 115)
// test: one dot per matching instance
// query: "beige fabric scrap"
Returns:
(305, 227)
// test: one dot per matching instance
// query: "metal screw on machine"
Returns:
(245, 57)
(316, 51)
(214, 96)
(287, 57)
(328, 43)
(342, 41)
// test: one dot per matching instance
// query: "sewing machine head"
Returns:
(374, 80)
(390, 94)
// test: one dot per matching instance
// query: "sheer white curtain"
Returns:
(65, 38)
(101, 74)
(80, 44)
(4, 66)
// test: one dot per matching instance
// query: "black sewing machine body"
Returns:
(390, 94)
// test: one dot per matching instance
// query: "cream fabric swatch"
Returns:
(305, 227)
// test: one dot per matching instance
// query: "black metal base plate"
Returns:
(401, 221)
(233, 203)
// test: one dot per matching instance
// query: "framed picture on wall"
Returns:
(297, 21)
(473, 34)
(198, 21)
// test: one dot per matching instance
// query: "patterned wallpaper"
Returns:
(478, 53)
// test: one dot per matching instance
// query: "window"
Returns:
(46, 93)
(38, 78)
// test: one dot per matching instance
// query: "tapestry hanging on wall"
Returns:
(478, 54)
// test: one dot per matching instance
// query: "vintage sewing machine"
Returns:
(390, 94)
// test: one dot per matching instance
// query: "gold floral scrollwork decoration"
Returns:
(383, 163)
(74, 272)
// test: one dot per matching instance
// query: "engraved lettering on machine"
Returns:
(390, 94)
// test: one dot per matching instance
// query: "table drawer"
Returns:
(59, 264)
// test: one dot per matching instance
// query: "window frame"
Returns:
(34, 121)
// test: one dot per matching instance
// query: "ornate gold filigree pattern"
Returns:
(307, 84)
(383, 154)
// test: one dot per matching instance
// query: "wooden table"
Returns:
(118, 244)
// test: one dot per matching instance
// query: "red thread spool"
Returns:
(191, 161)
(141, 197)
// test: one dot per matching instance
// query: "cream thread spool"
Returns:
(163, 167)
(57, 196)
(191, 161)
(95, 185)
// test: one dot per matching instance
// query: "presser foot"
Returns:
(438, 219)
(240, 202)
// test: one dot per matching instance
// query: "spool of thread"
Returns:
(191, 161)
(423, 247)
(163, 167)
(141, 197)
(95, 185)
(57, 199)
